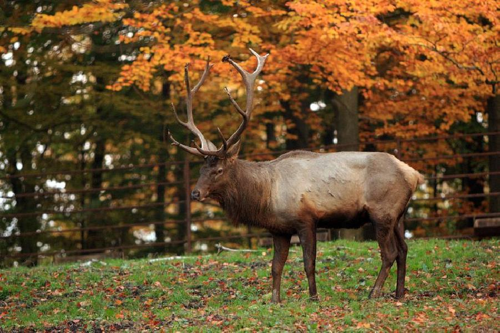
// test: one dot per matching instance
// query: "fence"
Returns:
(62, 221)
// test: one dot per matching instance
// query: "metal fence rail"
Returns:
(69, 217)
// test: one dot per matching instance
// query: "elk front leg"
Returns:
(308, 241)
(281, 247)
(388, 251)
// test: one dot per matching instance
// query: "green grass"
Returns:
(451, 285)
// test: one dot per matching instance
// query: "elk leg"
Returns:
(388, 251)
(308, 241)
(281, 247)
(401, 258)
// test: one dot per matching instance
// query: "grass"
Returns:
(452, 285)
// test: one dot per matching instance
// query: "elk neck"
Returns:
(245, 197)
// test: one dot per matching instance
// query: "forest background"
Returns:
(85, 93)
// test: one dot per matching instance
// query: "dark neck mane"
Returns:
(246, 196)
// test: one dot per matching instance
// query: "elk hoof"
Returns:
(275, 298)
(314, 298)
(374, 294)
(400, 295)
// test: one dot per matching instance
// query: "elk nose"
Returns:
(195, 195)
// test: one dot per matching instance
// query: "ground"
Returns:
(451, 285)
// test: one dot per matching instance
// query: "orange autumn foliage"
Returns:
(421, 66)
(96, 11)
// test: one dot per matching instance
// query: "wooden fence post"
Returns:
(187, 187)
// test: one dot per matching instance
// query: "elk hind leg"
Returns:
(281, 249)
(307, 238)
(388, 251)
(399, 231)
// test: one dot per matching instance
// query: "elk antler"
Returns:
(206, 145)
(208, 148)
(248, 81)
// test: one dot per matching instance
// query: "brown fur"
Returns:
(309, 211)
(296, 154)
(246, 193)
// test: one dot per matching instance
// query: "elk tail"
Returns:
(420, 179)
(412, 176)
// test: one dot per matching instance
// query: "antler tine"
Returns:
(189, 104)
(234, 102)
(208, 66)
(177, 116)
(175, 142)
(224, 142)
(189, 124)
(248, 81)
(220, 153)
(188, 149)
(189, 108)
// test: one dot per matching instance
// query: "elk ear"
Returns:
(232, 152)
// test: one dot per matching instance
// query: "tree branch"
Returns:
(221, 248)
(20, 123)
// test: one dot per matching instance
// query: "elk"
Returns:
(301, 191)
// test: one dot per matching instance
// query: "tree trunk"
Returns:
(472, 185)
(95, 238)
(299, 131)
(346, 123)
(162, 175)
(270, 135)
(329, 135)
(181, 210)
(346, 120)
(160, 196)
(83, 184)
(25, 204)
(493, 110)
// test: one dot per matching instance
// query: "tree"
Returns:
(438, 69)
(60, 107)
(87, 86)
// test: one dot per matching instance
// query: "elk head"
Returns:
(216, 170)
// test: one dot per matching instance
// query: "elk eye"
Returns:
(219, 171)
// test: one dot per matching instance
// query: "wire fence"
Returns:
(137, 209)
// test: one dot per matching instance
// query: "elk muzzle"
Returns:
(199, 195)
(195, 195)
